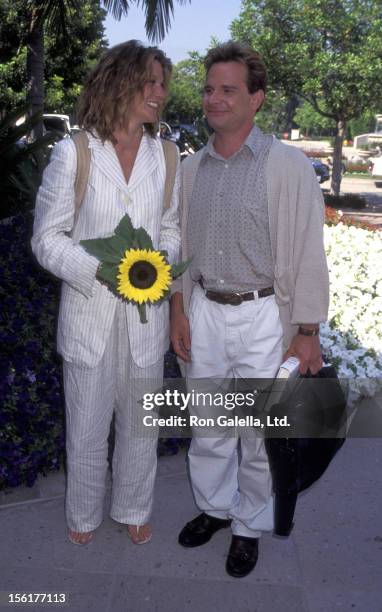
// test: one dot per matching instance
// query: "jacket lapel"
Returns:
(105, 159)
(145, 163)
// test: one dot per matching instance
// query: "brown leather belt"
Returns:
(234, 299)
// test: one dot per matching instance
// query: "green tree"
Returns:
(312, 122)
(12, 58)
(184, 103)
(56, 15)
(68, 57)
(328, 52)
(276, 115)
(363, 124)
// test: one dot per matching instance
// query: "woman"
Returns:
(107, 352)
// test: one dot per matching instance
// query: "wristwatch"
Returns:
(303, 331)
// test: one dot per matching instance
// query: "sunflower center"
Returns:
(142, 274)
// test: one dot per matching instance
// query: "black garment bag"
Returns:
(316, 407)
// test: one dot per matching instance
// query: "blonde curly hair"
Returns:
(111, 86)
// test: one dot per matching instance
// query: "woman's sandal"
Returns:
(139, 534)
(81, 539)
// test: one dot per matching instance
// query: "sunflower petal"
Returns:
(140, 294)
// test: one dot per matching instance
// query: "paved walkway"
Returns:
(332, 560)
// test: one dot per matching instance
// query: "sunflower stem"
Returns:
(142, 312)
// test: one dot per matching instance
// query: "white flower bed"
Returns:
(352, 338)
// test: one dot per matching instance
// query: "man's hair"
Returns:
(232, 51)
(111, 86)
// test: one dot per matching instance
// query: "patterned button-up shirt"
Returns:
(228, 229)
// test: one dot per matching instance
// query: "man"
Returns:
(253, 223)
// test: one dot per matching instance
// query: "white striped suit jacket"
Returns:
(87, 307)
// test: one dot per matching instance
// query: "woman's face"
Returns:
(147, 106)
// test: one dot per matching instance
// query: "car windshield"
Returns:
(54, 124)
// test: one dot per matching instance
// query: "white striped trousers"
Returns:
(117, 384)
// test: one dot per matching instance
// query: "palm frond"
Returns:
(158, 17)
(158, 14)
(117, 8)
(55, 13)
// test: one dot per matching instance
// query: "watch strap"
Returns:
(303, 331)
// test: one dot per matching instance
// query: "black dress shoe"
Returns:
(242, 556)
(201, 529)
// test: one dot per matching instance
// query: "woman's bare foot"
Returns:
(139, 534)
(79, 538)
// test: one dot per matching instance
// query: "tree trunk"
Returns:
(35, 70)
(337, 158)
(290, 109)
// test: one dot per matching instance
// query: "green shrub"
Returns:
(31, 398)
(21, 163)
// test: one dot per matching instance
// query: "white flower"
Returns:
(353, 336)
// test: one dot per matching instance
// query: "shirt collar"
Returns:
(253, 142)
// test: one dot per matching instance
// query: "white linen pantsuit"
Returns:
(228, 342)
(107, 352)
(117, 384)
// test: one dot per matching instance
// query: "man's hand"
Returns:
(307, 350)
(180, 328)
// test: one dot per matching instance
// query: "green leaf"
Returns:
(179, 268)
(119, 245)
(125, 229)
(142, 312)
(108, 274)
(143, 239)
(97, 247)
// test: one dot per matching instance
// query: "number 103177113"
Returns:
(33, 598)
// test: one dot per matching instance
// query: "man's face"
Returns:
(227, 103)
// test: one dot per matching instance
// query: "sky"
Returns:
(191, 30)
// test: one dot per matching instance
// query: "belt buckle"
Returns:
(236, 299)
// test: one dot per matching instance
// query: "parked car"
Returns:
(322, 170)
(165, 131)
(375, 169)
(58, 124)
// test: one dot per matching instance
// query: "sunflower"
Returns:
(144, 276)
